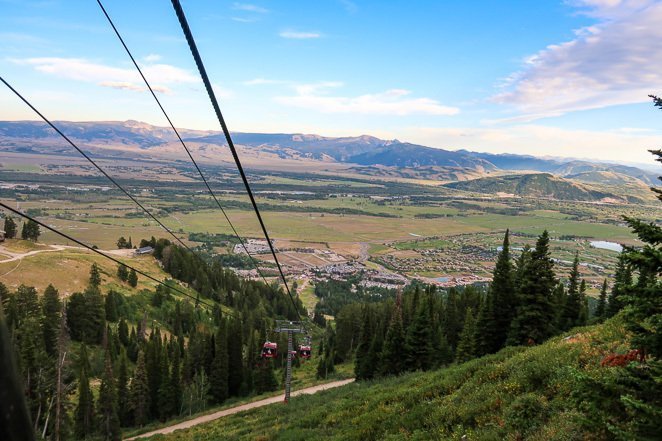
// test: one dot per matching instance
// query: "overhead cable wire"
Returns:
(212, 96)
(66, 236)
(91, 161)
(188, 152)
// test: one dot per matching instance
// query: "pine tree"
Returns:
(10, 228)
(504, 297)
(218, 377)
(107, 404)
(573, 302)
(601, 310)
(394, 350)
(175, 381)
(111, 307)
(419, 345)
(583, 311)
(52, 315)
(133, 278)
(363, 367)
(466, 347)
(123, 401)
(487, 327)
(534, 321)
(622, 281)
(139, 393)
(122, 273)
(235, 361)
(265, 380)
(95, 276)
(84, 416)
(165, 403)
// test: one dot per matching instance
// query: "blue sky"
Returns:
(543, 77)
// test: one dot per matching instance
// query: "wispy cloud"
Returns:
(262, 81)
(78, 69)
(607, 64)
(299, 35)
(247, 7)
(391, 102)
(244, 20)
(151, 58)
(349, 6)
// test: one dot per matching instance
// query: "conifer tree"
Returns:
(123, 273)
(218, 376)
(466, 347)
(419, 345)
(52, 315)
(111, 306)
(235, 358)
(394, 350)
(84, 415)
(487, 327)
(107, 403)
(601, 309)
(95, 276)
(504, 298)
(175, 381)
(10, 228)
(165, 395)
(363, 367)
(573, 303)
(622, 281)
(265, 379)
(534, 321)
(139, 393)
(583, 311)
(133, 278)
(123, 402)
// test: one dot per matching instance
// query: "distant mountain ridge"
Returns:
(362, 150)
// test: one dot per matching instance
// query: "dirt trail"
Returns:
(243, 407)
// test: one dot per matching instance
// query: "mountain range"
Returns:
(365, 154)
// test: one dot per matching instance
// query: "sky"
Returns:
(564, 78)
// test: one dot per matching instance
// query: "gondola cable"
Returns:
(217, 110)
(188, 152)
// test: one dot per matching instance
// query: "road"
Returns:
(243, 407)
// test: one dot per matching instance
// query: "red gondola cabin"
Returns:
(270, 350)
(304, 351)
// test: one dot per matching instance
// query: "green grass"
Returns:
(519, 393)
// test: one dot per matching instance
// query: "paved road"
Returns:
(243, 407)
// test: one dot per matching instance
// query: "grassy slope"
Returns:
(519, 393)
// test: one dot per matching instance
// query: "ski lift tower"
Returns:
(291, 328)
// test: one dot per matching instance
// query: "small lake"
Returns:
(604, 245)
(442, 279)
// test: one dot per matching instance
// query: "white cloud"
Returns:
(349, 6)
(538, 140)
(391, 102)
(222, 92)
(249, 8)
(610, 63)
(151, 58)
(244, 20)
(298, 35)
(109, 76)
(261, 81)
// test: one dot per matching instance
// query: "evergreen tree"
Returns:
(504, 298)
(534, 321)
(123, 273)
(394, 350)
(166, 406)
(265, 380)
(10, 228)
(466, 348)
(218, 377)
(573, 303)
(487, 338)
(95, 276)
(419, 345)
(363, 366)
(622, 281)
(107, 404)
(123, 401)
(175, 381)
(235, 357)
(30, 231)
(133, 278)
(123, 332)
(84, 415)
(52, 315)
(601, 310)
(111, 307)
(583, 311)
(139, 393)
